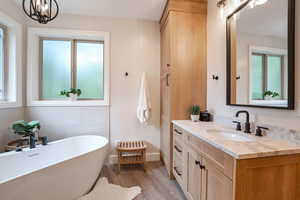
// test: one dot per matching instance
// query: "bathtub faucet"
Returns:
(32, 141)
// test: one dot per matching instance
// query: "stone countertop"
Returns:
(255, 148)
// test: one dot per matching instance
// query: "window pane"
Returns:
(90, 70)
(257, 77)
(56, 68)
(1, 63)
(274, 74)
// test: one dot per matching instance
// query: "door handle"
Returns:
(177, 149)
(168, 75)
(202, 167)
(178, 132)
(177, 172)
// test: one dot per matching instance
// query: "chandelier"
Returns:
(42, 11)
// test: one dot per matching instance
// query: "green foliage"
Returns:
(270, 93)
(71, 91)
(26, 128)
(195, 110)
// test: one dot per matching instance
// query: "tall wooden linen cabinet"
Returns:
(183, 66)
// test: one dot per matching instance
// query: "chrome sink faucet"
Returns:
(247, 124)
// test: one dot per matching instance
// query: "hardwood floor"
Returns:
(155, 182)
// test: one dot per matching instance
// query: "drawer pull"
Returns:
(178, 132)
(202, 167)
(177, 149)
(177, 172)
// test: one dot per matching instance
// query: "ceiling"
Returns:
(269, 19)
(137, 9)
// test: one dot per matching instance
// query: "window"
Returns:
(68, 63)
(2, 61)
(266, 75)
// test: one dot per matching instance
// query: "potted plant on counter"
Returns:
(195, 113)
(72, 94)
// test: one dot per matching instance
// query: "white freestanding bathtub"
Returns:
(63, 170)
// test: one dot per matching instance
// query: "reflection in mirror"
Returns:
(259, 56)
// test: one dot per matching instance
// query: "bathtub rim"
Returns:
(51, 164)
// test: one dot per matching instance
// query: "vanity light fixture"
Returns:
(254, 3)
(42, 11)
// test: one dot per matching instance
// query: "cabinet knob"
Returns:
(202, 167)
(197, 162)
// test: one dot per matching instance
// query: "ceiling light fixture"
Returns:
(42, 11)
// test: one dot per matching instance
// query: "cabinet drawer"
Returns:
(178, 170)
(223, 161)
(178, 133)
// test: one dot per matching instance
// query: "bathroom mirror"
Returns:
(260, 54)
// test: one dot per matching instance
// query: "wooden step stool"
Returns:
(133, 152)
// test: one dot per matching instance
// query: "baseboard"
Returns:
(150, 157)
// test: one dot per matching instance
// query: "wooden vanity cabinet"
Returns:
(216, 185)
(211, 174)
(204, 181)
(193, 177)
(183, 66)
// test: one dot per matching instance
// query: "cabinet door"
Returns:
(166, 144)
(216, 186)
(166, 139)
(165, 70)
(193, 175)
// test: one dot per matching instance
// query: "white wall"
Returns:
(217, 65)
(135, 48)
(8, 116)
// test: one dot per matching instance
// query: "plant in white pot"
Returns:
(72, 94)
(269, 95)
(195, 113)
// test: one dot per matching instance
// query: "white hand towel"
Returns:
(144, 104)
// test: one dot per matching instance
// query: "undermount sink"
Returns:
(230, 135)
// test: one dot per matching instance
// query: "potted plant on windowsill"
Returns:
(269, 95)
(72, 94)
(195, 113)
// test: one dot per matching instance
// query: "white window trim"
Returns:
(33, 65)
(14, 63)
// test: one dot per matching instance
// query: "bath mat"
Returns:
(106, 191)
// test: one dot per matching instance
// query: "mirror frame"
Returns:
(291, 58)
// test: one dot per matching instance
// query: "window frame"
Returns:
(73, 71)
(265, 65)
(33, 65)
(13, 63)
(3, 97)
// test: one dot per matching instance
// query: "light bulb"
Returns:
(260, 2)
(37, 5)
(45, 10)
(222, 12)
(252, 4)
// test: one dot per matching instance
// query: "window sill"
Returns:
(9, 104)
(79, 103)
